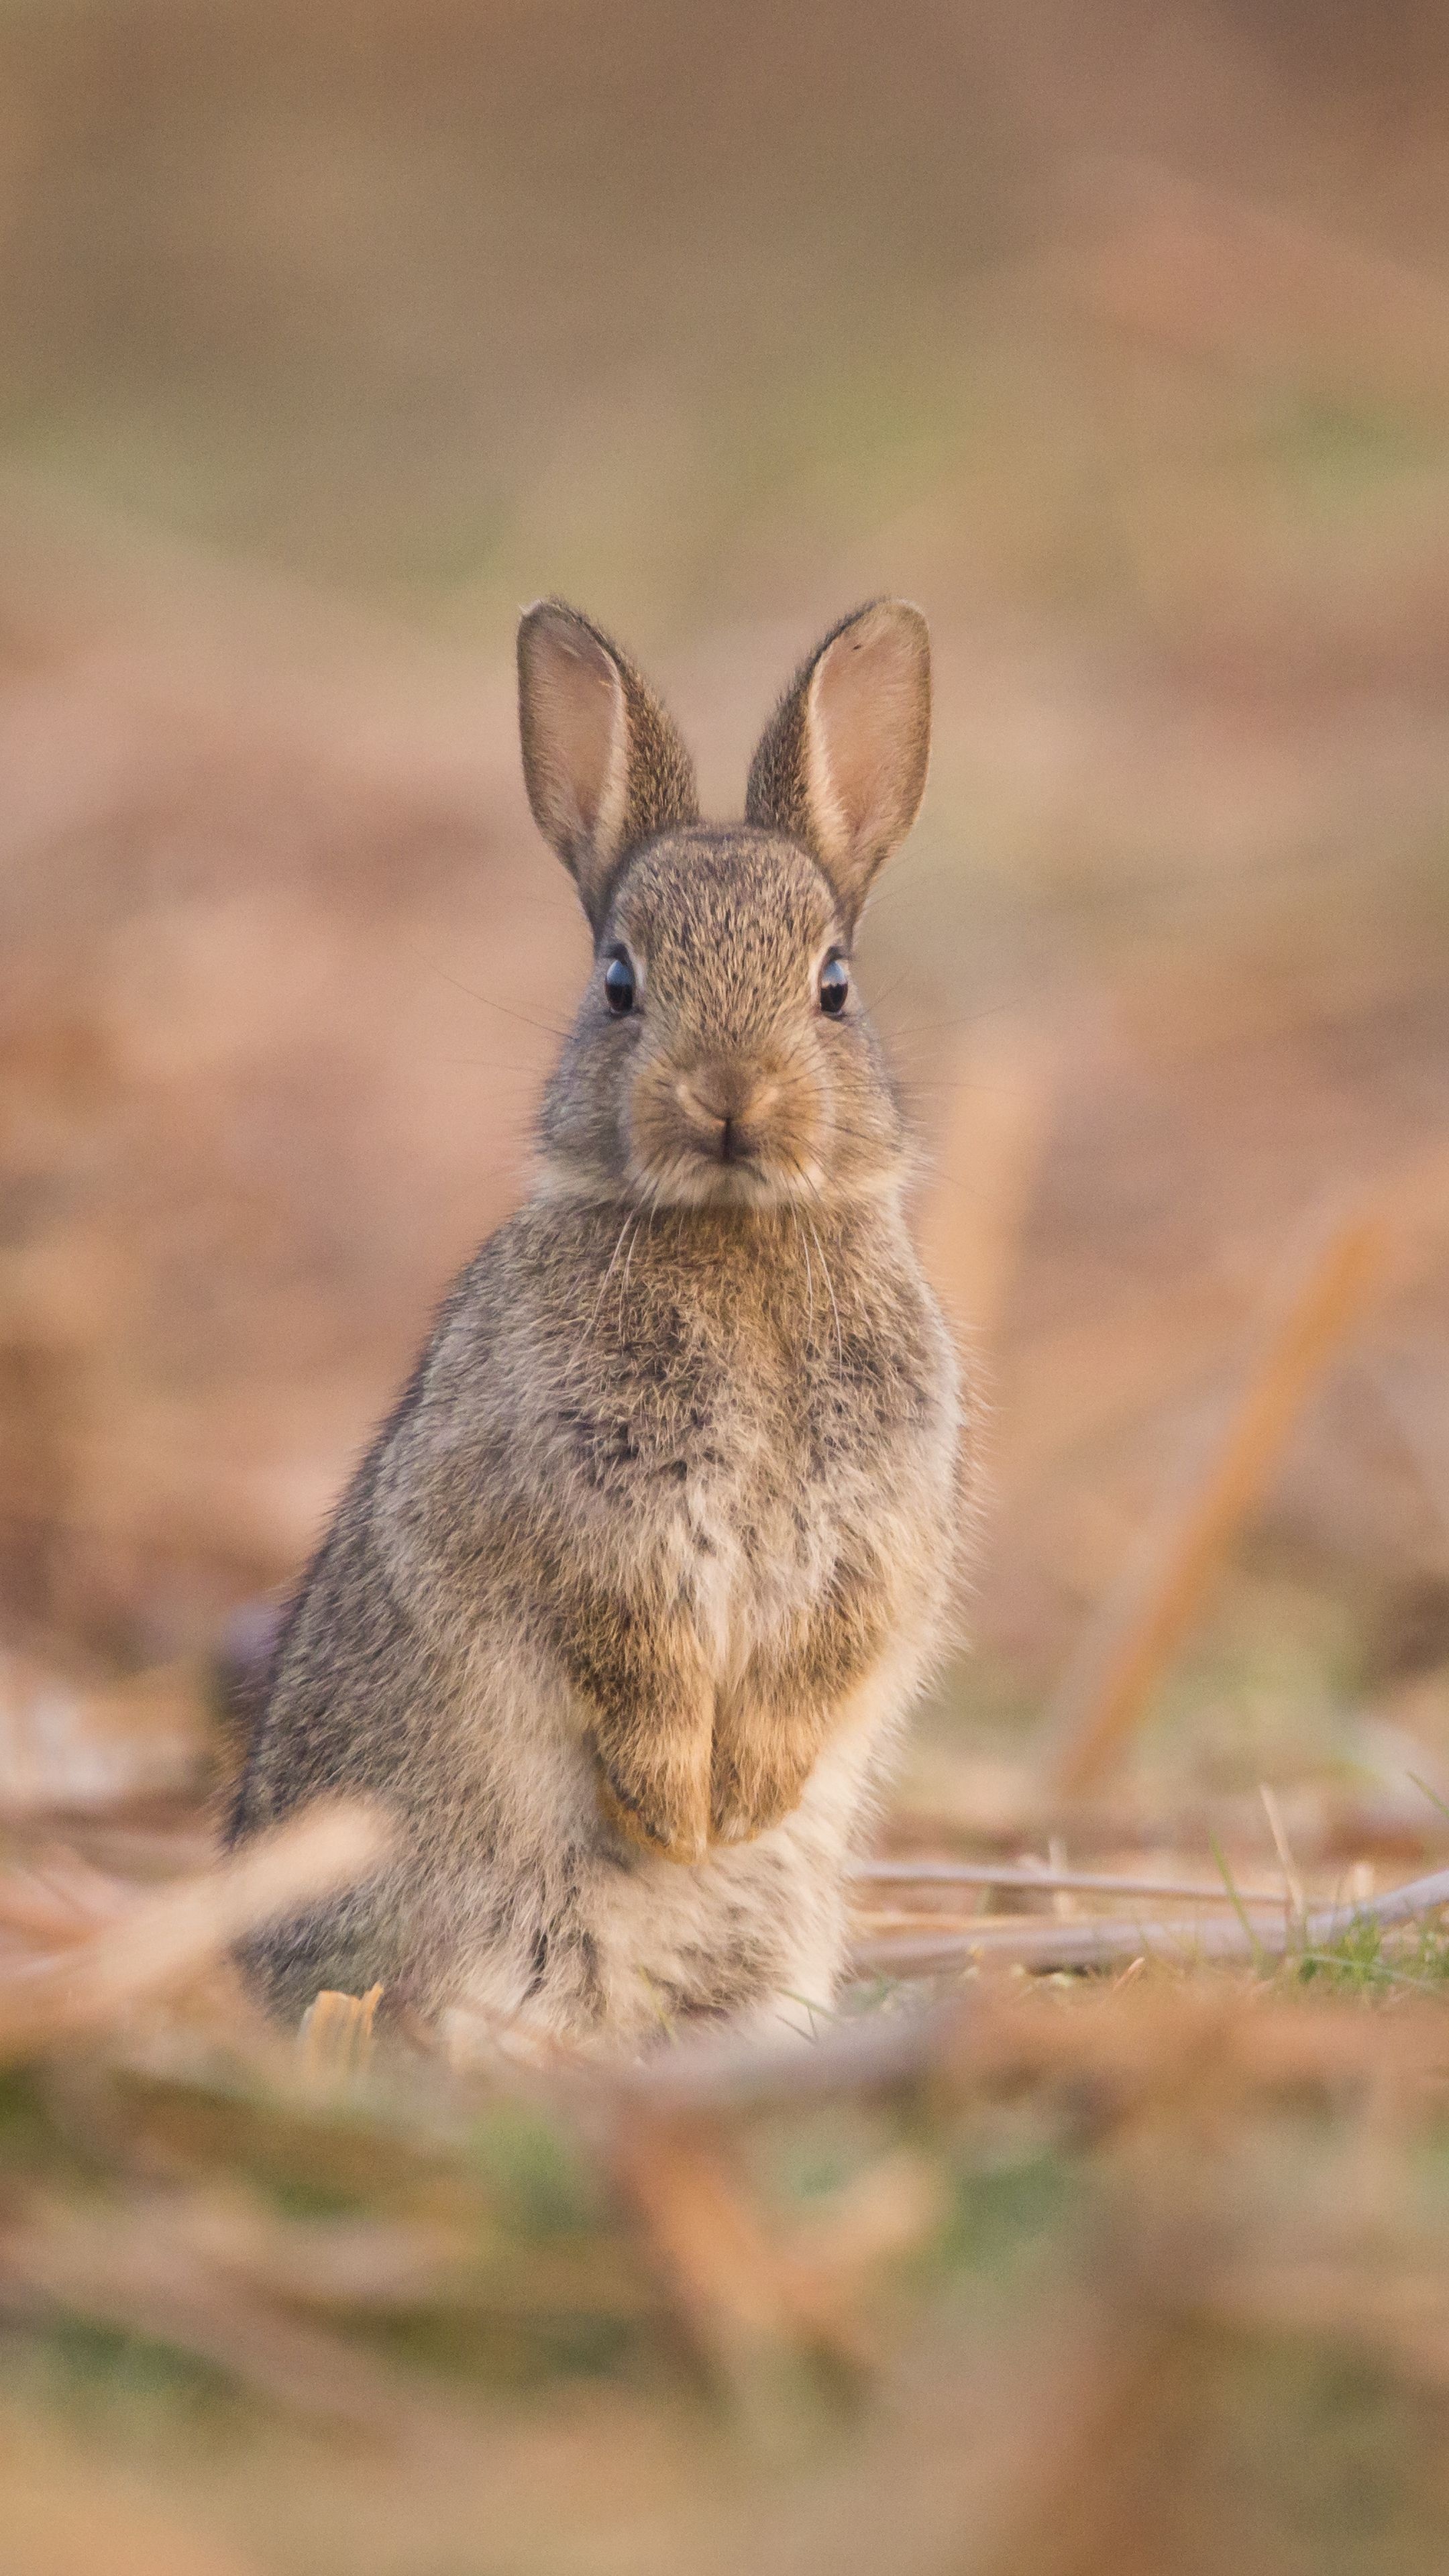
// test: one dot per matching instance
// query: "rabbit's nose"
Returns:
(727, 1101)
(717, 1090)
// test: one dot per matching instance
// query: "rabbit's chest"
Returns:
(749, 1540)
(755, 1466)
(775, 1485)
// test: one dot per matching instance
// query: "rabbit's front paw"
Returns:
(663, 1806)
(749, 1794)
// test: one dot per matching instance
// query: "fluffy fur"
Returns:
(622, 1612)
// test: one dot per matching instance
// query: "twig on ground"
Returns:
(1122, 1655)
(337, 2033)
(1046, 1944)
(1085, 1882)
(167, 1937)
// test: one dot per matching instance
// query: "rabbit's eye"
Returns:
(619, 983)
(834, 984)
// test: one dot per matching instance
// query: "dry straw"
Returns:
(162, 1940)
(1145, 1615)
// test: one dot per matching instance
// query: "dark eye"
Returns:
(619, 983)
(834, 984)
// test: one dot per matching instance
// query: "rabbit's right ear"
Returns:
(842, 766)
(602, 761)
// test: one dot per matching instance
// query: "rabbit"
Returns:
(622, 1613)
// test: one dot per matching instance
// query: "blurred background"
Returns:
(1117, 335)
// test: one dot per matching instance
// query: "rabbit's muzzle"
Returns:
(724, 1127)
(727, 1111)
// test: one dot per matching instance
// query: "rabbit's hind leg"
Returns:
(340, 1948)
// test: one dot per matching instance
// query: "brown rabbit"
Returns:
(622, 1612)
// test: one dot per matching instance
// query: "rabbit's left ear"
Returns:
(842, 765)
(602, 761)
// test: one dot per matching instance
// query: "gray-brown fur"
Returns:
(622, 1612)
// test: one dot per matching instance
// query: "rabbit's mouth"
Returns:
(733, 1174)
(723, 1132)
(740, 1186)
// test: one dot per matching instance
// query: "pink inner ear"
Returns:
(871, 717)
(576, 724)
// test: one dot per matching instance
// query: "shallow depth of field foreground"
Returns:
(1104, 2229)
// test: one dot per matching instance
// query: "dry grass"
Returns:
(735, 2302)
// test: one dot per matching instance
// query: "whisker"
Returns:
(645, 1218)
(983, 1090)
(545, 1027)
(876, 1001)
(830, 1292)
(482, 1064)
(637, 1222)
(809, 1273)
(603, 1283)
(971, 1020)
(824, 1265)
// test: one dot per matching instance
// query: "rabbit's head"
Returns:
(720, 1052)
